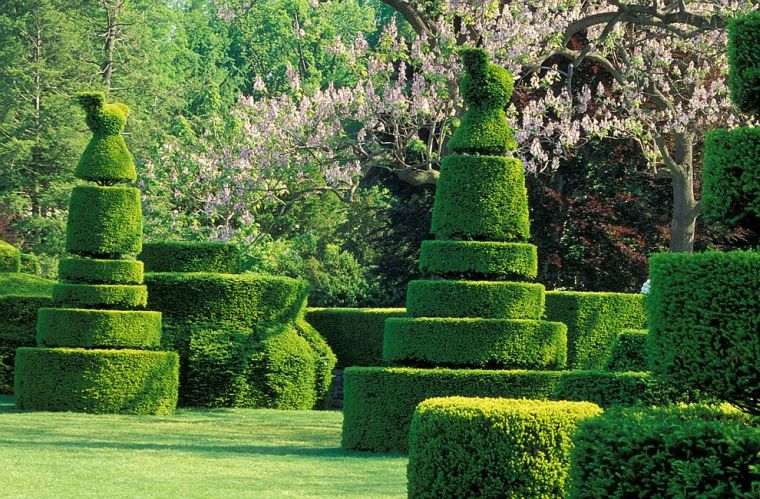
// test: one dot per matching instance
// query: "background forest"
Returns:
(310, 132)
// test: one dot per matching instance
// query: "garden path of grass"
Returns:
(195, 454)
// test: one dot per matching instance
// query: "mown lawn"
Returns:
(196, 453)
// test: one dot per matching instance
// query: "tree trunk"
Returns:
(685, 208)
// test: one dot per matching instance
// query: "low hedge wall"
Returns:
(379, 402)
(629, 351)
(593, 323)
(481, 447)
(680, 452)
(354, 334)
(185, 256)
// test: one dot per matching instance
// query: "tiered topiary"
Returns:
(98, 348)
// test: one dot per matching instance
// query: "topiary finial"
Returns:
(744, 62)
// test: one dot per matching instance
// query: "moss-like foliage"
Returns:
(106, 158)
(744, 62)
(629, 351)
(10, 258)
(479, 259)
(185, 256)
(480, 447)
(71, 327)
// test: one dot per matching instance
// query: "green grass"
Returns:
(196, 453)
(24, 285)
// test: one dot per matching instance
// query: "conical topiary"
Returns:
(97, 347)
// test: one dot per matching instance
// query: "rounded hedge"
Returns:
(481, 447)
(479, 259)
(481, 198)
(30, 264)
(484, 299)
(95, 271)
(107, 296)
(704, 323)
(472, 342)
(744, 62)
(71, 327)
(324, 360)
(244, 298)
(666, 452)
(629, 351)
(184, 256)
(731, 189)
(10, 258)
(97, 381)
(104, 221)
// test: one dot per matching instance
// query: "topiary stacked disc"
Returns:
(97, 347)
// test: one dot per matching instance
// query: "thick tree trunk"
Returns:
(685, 208)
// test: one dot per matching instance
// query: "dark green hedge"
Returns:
(378, 402)
(481, 198)
(731, 189)
(481, 447)
(593, 322)
(104, 221)
(324, 360)
(94, 271)
(744, 62)
(629, 351)
(479, 259)
(106, 296)
(704, 323)
(184, 256)
(354, 334)
(10, 258)
(679, 452)
(484, 343)
(98, 381)
(484, 299)
(18, 315)
(71, 327)
(246, 298)
(30, 264)
(7, 359)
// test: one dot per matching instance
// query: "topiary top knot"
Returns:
(485, 84)
(744, 62)
(106, 159)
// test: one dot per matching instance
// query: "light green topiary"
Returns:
(10, 258)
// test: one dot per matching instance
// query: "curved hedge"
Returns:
(72, 327)
(98, 381)
(10, 258)
(704, 323)
(208, 297)
(185, 256)
(95, 271)
(325, 360)
(731, 189)
(666, 452)
(479, 259)
(378, 402)
(629, 351)
(481, 447)
(354, 334)
(484, 299)
(104, 221)
(593, 323)
(493, 343)
(490, 205)
(106, 296)
(744, 62)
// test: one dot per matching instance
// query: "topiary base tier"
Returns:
(379, 402)
(97, 381)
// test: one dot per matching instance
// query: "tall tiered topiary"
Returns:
(97, 347)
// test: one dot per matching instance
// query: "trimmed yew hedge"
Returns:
(97, 271)
(98, 381)
(185, 256)
(479, 259)
(680, 452)
(472, 342)
(485, 447)
(103, 296)
(17, 317)
(593, 323)
(10, 258)
(744, 62)
(629, 351)
(73, 327)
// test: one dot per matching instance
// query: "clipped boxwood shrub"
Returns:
(484, 299)
(479, 259)
(744, 62)
(104, 221)
(185, 256)
(629, 351)
(208, 297)
(72, 327)
(98, 381)
(704, 323)
(7, 359)
(472, 342)
(324, 360)
(731, 189)
(10, 258)
(593, 322)
(491, 205)
(354, 334)
(105, 296)
(485, 447)
(30, 264)
(95, 271)
(679, 452)
(378, 402)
